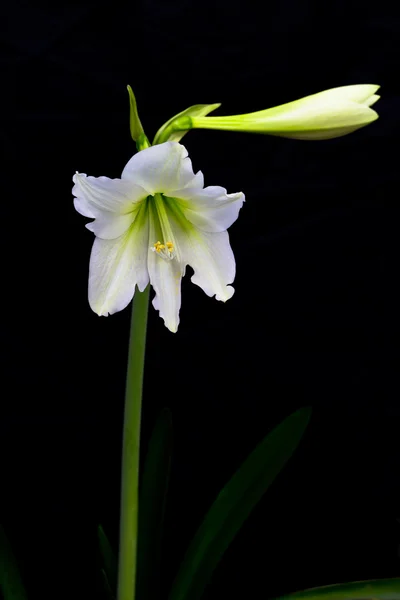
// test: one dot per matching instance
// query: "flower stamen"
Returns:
(165, 251)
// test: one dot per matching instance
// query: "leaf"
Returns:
(109, 560)
(374, 589)
(152, 500)
(234, 504)
(169, 133)
(10, 578)
(108, 591)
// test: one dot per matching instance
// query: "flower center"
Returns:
(165, 251)
(161, 227)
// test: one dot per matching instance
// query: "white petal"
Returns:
(116, 266)
(165, 277)
(353, 93)
(160, 168)
(109, 226)
(195, 185)
(210, 256)
(212, 209)
(84, 208)
(94, 195)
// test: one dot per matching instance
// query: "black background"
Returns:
(314, 320)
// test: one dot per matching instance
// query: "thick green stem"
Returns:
(130, 450)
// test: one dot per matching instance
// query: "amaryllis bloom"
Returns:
(150, 224)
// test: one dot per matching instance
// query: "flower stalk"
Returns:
(131, 448)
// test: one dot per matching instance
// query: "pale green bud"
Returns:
(329, 114)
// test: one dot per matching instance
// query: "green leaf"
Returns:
(10, 578)
(234, 504)
(373, 589)
(152, 500)
(171, 131)
(106, 585)
(109, 560)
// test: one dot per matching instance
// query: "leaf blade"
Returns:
(152, 502)
(234, 504)
(377, 589)
(11, 584)
(109, 559)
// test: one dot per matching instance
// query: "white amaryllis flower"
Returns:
(150, 224)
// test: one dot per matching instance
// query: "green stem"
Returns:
(130, 450)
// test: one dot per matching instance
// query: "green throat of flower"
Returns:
(161, 212)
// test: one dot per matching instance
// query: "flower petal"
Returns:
(165, 277)
(117, 265)
(94, 195)
(354, 93)
(161, 168)
(210, 256)
(371, 100)
(212, 209)
(195, 185)
(109, 226)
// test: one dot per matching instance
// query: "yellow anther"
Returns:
(165, 251)
(158, 246)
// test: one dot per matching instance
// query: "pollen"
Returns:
(170, 246)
